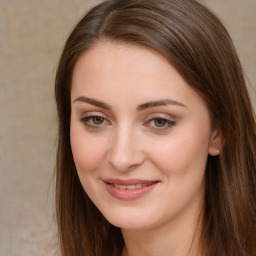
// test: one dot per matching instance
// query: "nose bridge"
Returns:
(125, 152)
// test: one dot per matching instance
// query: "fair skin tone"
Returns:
(140, 137)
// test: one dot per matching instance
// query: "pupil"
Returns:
(98, 120)
(160, 122)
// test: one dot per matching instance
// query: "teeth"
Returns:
(133, 186)
(120, 186)
(138, 185)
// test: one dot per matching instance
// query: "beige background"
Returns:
(32, 33)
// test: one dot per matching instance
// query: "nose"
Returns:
(126, 151)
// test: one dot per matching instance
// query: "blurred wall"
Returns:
(239, 17)
(32, 34)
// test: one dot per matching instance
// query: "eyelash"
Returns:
(89, 119)
(167, 123)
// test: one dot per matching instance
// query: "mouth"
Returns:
(129, 189)
(132, 186)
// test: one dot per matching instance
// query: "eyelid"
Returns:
(93, 113)
(169, 120)
(161, 116)
(88, 115)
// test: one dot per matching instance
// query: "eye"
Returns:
(160, 123)
(97, 120)
(94, 121)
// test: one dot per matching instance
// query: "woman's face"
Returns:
(140, 136)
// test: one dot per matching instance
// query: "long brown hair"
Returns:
(196, 43)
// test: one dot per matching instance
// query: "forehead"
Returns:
(109, 59)
(128, 71)
(128, 57)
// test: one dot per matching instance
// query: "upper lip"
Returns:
(129, 181)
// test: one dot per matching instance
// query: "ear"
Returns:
(215, 144)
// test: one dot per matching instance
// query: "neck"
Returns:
(181, 238)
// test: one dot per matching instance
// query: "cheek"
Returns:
(88, 151)
(183, 155)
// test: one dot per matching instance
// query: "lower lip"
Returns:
(129, 194)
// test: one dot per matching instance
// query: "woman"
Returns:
(156, 152)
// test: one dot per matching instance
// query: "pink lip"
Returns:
(129, 194)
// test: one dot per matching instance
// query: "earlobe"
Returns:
(215, 143)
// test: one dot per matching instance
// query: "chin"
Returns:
(129, 225)
(130, 220)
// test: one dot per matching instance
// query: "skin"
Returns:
(117, 136)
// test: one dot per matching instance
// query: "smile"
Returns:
(129, 189)
(133, 186)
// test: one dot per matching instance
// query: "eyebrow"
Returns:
(141, 107)
(93, 102)
(157, 103)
